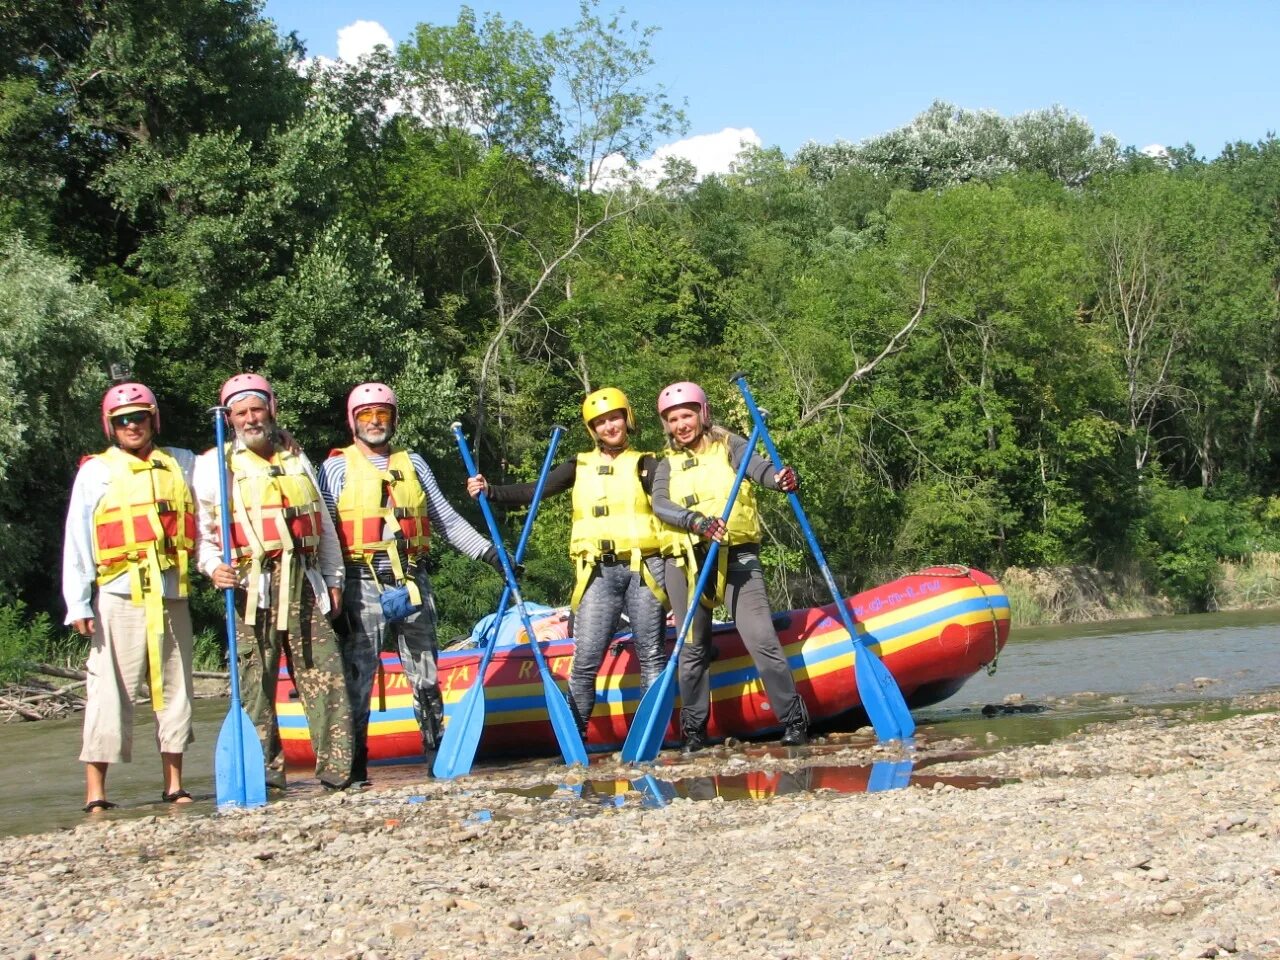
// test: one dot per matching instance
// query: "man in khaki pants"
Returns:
(130, 532)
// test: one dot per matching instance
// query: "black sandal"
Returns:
(93, 805)
(175, 796)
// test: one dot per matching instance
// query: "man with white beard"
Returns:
(288, 576)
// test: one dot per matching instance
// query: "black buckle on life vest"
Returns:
(690, 500)
(293, 513)
(396, 476)
(607, 554)
(164, 506)
(689, 463)
(599, 511)
(158, 465)
(402, 513)
(604, 469)
(275, 470)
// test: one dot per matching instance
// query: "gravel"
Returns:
(1146, 838)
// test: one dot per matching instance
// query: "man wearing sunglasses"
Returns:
(130, 531)
(385, 502)
(287, 573)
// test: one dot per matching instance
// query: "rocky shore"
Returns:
(1153, 837)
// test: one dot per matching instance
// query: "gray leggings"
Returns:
(614, 588)
(748, 604)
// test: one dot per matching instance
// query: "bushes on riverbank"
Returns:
(1083, 594)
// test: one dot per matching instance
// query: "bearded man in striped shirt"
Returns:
(385, 502)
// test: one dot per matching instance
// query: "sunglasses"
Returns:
(373, 415)
(129, 419)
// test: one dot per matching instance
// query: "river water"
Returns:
(1080, 674)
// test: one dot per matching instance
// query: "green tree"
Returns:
(57, 337)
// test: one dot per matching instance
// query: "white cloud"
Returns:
(708, 152)
(1156, 150)
(355, 40)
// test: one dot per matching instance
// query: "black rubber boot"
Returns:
(796, 734)
(695, 739)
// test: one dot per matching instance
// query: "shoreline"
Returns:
(1148, 837)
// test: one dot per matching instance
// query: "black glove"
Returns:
(709, 528)
(490, 557)
(787, 480)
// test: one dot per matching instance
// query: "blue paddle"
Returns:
(566, 731)
(457, 751)
(881, 698)
(649, 725)
(889, 775)
(239, 771)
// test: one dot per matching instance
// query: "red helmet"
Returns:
(248, 381)
(369, 395)
(681, 393)
(133, 396)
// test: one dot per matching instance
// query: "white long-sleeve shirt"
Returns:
(206, 484)
(79, 565)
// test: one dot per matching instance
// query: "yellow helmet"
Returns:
(601, 402)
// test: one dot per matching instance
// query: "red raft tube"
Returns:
(933, 629)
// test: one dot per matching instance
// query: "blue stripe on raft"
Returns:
(941, 615)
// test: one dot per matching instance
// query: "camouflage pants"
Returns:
(311, 652)
(415, 639)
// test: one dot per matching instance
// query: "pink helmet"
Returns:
(135, 396)
(680, 393)
(248, 381)
(368, 395)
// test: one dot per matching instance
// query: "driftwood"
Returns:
(38, 699)
(20, 709)
(50, 670)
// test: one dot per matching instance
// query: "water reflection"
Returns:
(656, 792)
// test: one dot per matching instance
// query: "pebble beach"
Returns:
(1151, 837)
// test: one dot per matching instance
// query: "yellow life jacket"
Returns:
(379, 511)
(275, 516)
(612, 517)
(701, 482)
(145, 524)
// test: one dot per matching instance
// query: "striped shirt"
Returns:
(445, 521)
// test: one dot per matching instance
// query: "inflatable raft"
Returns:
(933, 629)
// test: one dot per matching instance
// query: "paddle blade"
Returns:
(562, 722)
(239, 772)
(649, 725)
(881, 698)
(889, 775)
(461, 739)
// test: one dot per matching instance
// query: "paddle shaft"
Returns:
(556, 433)
(644, 739)
(224, 519)
(891, 717)
(570, 741)
(462, 735)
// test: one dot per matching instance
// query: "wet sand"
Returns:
(1152, 837)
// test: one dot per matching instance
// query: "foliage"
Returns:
(1188, 534)
(57, 336)
(984, 339)
(24, 640)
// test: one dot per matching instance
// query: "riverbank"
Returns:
(1077, 593)
(1151, 837)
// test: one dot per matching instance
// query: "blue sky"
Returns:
(790, 71)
